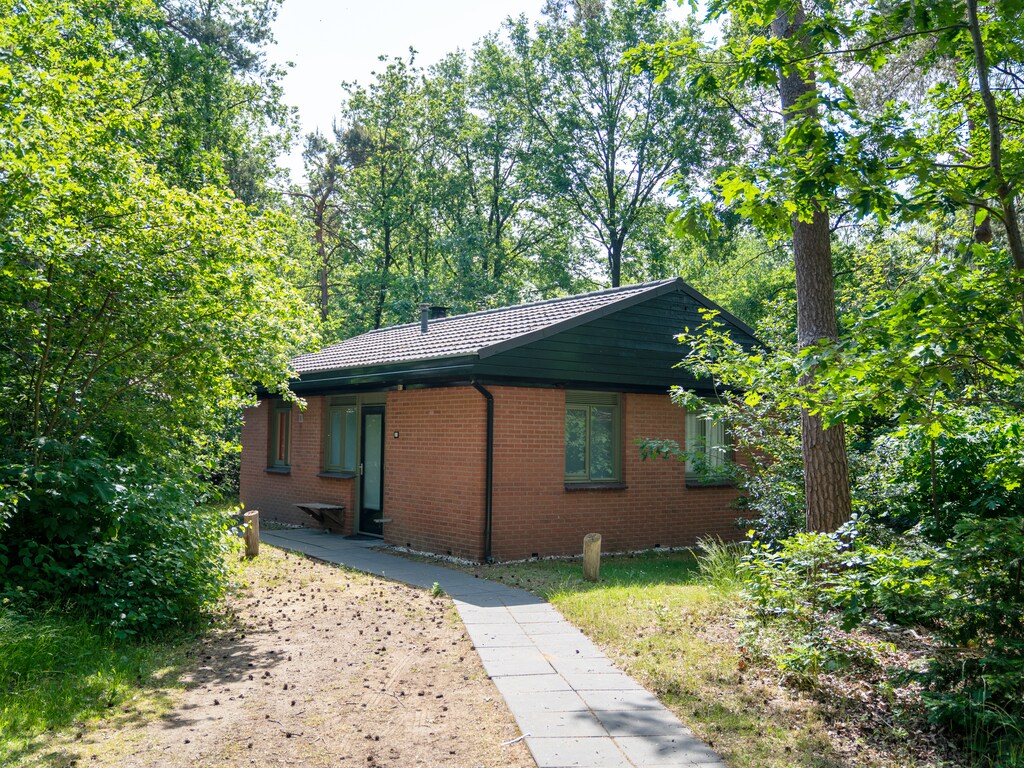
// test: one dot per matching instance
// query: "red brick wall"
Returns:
(533, 513)
(275, 495)
(434, 470)
(434, 476)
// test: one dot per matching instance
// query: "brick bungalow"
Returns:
(500, 434)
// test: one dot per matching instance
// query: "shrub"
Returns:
(128, 547)
(980, 692)
(797, 591)
(720, 564)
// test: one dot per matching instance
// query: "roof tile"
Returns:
(461, 335)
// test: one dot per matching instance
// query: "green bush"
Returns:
(128, 547)
(978, 690)
(972, 469)
(809, 590)
(800, 592)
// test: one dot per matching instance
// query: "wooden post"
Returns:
(591, 556)
(252, 533)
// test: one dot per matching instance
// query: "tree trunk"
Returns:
(1007, 195)
(615, 260)
(321, 254)
(382, 290)
(826, 475)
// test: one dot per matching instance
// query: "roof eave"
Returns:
(386, 375)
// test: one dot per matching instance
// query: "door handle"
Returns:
(360, 469)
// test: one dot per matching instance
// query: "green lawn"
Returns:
(57, 670)
(661, 621)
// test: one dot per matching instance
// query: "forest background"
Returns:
(858, 162)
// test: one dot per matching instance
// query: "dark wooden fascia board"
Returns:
(586, 317)
(676, 284)
(725, 314)
(398, 373)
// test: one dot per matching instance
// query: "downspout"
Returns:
(488, 472)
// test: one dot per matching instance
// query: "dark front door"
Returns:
(371, 487)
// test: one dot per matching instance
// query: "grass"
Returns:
(58, 670)
(670, 620)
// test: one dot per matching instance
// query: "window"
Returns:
(340, 436)
(708, 449)
(591, 437)
(280, 434)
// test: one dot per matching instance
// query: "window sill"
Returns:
(609, 486)
(338, 475)
(697, 482)
(279, 470)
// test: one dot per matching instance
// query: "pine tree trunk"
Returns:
(826, 475)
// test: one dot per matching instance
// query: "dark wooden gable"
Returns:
(631, 348)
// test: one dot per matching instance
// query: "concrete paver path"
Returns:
(571, 703)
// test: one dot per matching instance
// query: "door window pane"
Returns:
(349, 462)
(372, 446)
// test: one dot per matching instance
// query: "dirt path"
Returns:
(322, 667)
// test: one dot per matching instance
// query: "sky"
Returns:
(335, 41)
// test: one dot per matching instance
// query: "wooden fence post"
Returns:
(252, 533)
(591, 556)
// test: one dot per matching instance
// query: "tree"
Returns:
(612, 138)
(935, 163)
(826, 475)
(388, 117)
(321, 204)
(205, 72)
(134, 316)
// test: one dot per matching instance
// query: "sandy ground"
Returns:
(319, 666)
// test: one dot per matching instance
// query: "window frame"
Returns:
(580, 400)
(279, 409)
(344, 405)
(724, 452)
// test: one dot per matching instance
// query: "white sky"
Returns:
(335, 41)
(331, 41)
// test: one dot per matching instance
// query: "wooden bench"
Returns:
(330, 516)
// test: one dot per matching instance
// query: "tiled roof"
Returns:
(469, 334)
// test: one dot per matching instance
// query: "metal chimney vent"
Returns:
(430, 312)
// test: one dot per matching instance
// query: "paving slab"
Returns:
(551, 701)
(541, 685)
(499, 636)
(574, 707)
(642, 722)
(577, 753)
(618, 700)
(675, 752)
